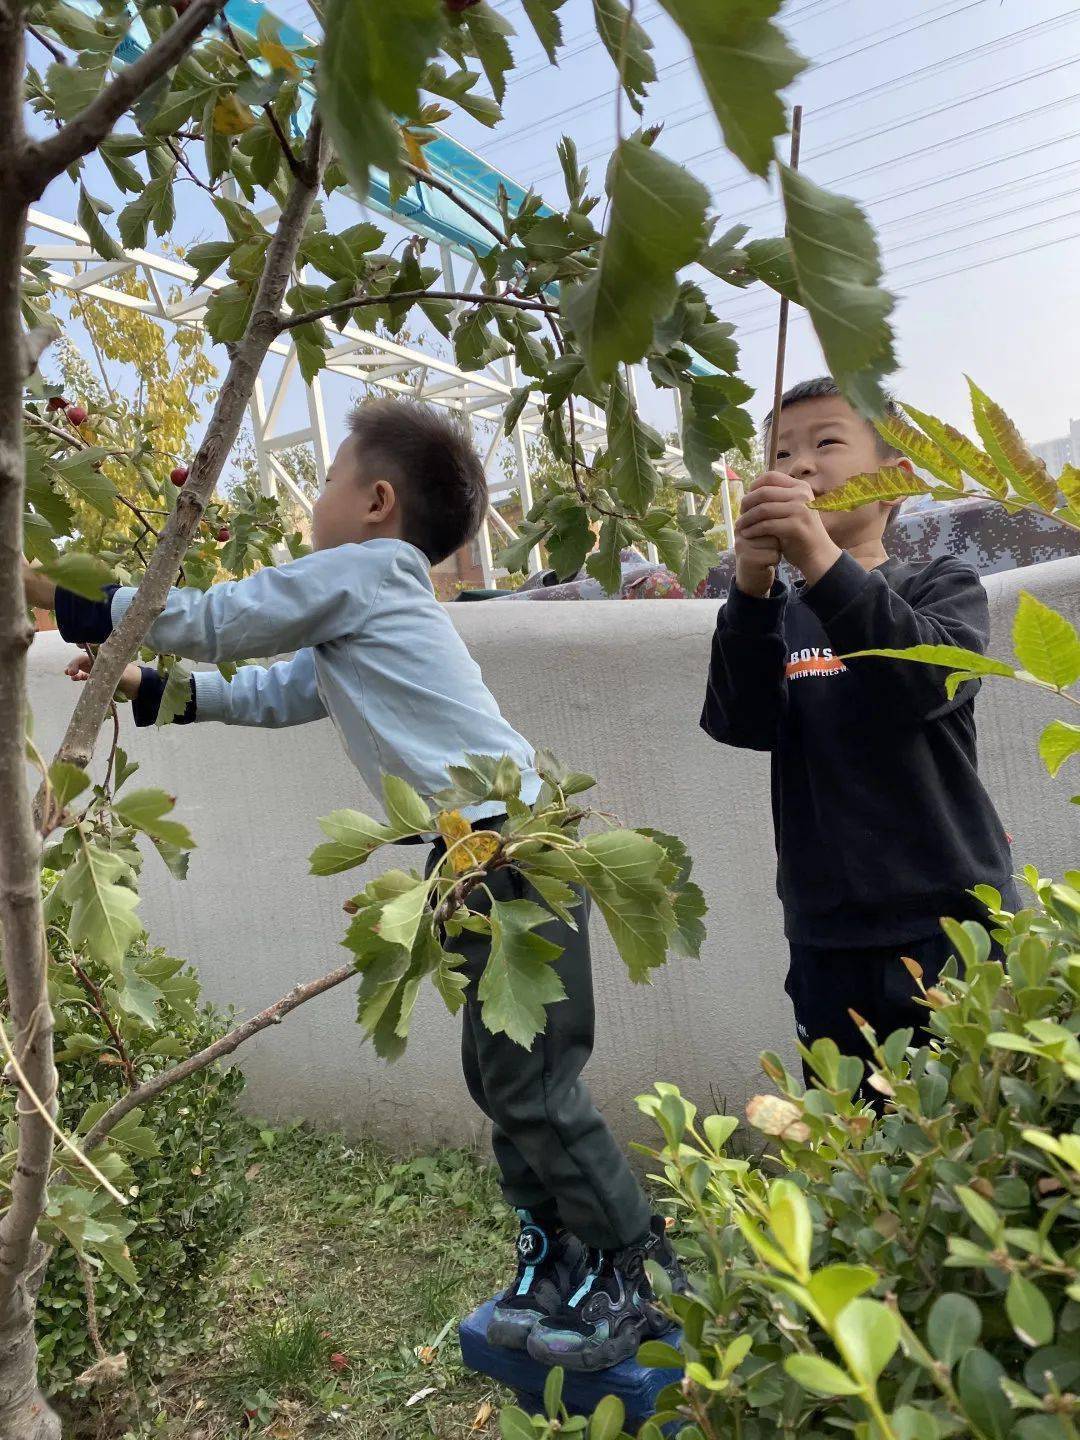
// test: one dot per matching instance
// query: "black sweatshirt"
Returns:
(882, 823)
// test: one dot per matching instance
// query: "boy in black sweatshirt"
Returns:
(882, 824)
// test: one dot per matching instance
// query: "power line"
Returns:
(975, 52)
(942, 275)
(755, 308)
(903, 121)
(830, 58)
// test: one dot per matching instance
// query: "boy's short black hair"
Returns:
(434, 469)
(824, 387)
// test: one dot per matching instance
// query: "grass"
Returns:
(336, 1315)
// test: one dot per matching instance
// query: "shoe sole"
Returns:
(604, 1356)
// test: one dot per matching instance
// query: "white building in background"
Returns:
(1061, 452)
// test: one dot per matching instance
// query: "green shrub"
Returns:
(185, 1161)
(906, 1278)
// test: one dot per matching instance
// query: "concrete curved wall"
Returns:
(616, 690)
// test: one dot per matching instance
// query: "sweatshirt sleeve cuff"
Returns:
(81, 621)
(754, 614)
(837, 588)
(147, 701)
(211, 691)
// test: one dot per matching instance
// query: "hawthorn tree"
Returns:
(198, 100)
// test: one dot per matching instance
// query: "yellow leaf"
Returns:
(483, 1415)
(278, 57)
(414, 148)
(1030, 478)
(232, 118)
(476, 848)
(888, 483)
(775, 1116)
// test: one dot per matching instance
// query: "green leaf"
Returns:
(744, 61)
(176, 696)
(921, 449)
(458, 86)
(605, 564)
(102, 912)
(570, 541)
(406, 813)
(515, 1424)
(1029, 1311)
(888, 483)
(789, 1220)
(633, 473)
(659, 1355)
(89, 484)
(774, 265)
(145, 810)
(867, 1334)
(137, 996)
(205, 259)
(1057, 743)
(83, 574)
(227, 313)
(982, 1213)
(978, 1381)
(1046, 644)
(353, 839)
(88, 216)
(400, 919)
(67, 781)
(838, 266)
(952, 1327)
(607, 1419)
(835, 1286)
(553, 1387)
(628, 44)
(820, 1377)
(622, 870)
(689, 555)
(657, 226)
(518, 981)
(964, 452)
(488, 30)
(1028, 475)
(545, 22)
(373, 59)
(952, 657)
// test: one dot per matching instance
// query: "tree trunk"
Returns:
(24, 1413)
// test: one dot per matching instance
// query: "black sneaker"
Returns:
(611, 1312)
(551, 1265)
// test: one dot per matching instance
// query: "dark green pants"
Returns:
(551, 1143)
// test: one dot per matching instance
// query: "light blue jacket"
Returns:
(375, 652)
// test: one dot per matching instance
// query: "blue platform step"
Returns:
(635, 1385)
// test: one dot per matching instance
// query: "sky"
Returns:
(955, 123)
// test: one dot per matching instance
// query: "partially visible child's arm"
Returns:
(282, 608)
(270, 696)
(747, 692)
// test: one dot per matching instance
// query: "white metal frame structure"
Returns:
(360, 355)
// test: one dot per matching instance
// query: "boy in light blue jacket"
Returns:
(377, 654)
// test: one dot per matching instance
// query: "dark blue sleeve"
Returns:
(147, 702)
(81, 621)
(746, 695)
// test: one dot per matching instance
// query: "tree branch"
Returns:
(43, 160)
(221, 433)
(97, 1001)
(445, 188)
(54, 50)
(359, 302)
(21, 925)
(181, 159)
(272, 1015)
(283, 141)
